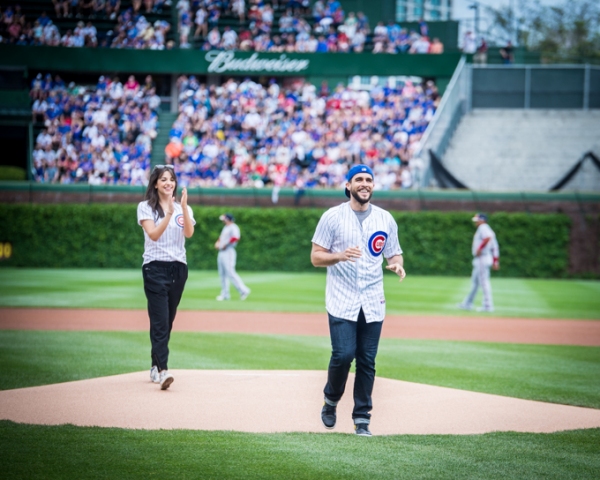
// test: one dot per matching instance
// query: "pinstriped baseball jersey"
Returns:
(352, 285)
(170, 247)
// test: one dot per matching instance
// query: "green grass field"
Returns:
(561, 374)
(296, 292)
(65, 452)
(553, 373)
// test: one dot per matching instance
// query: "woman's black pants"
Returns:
(163, 285)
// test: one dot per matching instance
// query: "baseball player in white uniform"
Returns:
(486, 255)
(228, 240)
(351, 240)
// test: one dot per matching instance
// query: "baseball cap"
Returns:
(480, 217)
(356, 169)
(227, 216)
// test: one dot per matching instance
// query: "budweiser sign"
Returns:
(220, 61)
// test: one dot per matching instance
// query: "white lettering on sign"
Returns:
(226, 62)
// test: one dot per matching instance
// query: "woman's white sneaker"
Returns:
(166, 379)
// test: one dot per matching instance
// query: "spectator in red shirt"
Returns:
(132, 86)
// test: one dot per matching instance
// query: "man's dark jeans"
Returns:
(353, 340)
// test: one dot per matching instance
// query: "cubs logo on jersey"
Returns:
(179, 220)
(377, 243)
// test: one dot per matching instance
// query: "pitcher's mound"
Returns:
(279, 401)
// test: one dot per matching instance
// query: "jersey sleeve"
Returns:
(144, 212)
(392, 246)
(495, 248)
(324, 233)
(233, 235)
(236, 232)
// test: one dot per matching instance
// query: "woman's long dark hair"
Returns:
(152, 192)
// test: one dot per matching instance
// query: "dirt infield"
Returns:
(285, 401)
(279, 401)
(483, 329)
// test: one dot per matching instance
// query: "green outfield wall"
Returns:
(534, 202)
(583, 209)
(435, 243)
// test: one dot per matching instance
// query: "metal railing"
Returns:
(553, 86)
(455, 103)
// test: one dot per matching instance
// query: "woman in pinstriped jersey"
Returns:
(166, 224)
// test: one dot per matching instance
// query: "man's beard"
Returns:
(360, 200)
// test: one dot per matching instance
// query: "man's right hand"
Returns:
(350, 254)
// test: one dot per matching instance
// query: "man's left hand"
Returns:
(397, 269)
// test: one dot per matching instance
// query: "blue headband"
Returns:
(356, 169)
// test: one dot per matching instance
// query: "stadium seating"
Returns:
(309, 139)
(247, 134)
(229, 19)
(105, 26)
(520, 150)
(98, 134)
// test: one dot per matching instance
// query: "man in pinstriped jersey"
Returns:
(351, 241)
(227, 257)
(486, 254)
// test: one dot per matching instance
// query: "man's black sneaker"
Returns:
(362, 429)
(328, 416)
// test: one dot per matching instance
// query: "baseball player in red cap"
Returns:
(227, 257)
(486, 255)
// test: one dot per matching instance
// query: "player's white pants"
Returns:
(481, 278)
(226, 262)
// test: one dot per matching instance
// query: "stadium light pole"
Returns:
(512, 21)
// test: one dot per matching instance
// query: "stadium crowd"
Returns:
(132, 29)
(330, 29)
(240, 133)
(324, 27)
(247, 134)
(99, 134)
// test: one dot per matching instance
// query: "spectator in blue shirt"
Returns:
(322, 45)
